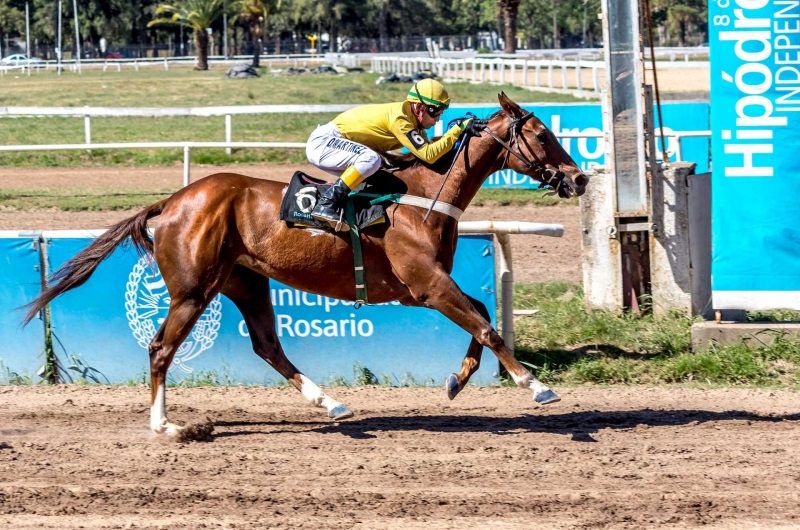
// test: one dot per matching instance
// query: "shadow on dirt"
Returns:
(579, 425)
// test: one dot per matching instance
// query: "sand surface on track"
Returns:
(82, 457)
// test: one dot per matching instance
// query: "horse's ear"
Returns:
(511, 108)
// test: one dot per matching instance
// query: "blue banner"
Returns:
(755, 98)
(104, 327)
(21, 350)
(587, 118)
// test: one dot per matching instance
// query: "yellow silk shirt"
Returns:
(389, 126)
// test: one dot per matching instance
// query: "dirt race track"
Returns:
(82, 457)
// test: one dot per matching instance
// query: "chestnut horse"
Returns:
(223, 234)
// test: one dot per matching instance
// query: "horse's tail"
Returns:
(77, 270)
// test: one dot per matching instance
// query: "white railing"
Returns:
(228, 145)
(298, 61)
(496, 70)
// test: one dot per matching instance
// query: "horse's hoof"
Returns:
(546, 397)
(170, 429)
(451, 385)
(340, 412)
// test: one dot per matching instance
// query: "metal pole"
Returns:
(225, 34)
(58, 68)
(77, 34)
(28, 37)
(186, 161)
(87, 127)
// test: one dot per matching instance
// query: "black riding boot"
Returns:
(333, 198)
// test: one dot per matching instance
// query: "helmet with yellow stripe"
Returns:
(431, 93)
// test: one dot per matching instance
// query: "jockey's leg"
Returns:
(364, 165)
(353, 162)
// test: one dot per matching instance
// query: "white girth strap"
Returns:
(422, 202)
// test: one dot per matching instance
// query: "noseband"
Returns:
(550, 178)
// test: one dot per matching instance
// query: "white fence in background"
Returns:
(269, 61)
(495, 70)
(228, 145)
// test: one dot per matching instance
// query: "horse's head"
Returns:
(534, 150)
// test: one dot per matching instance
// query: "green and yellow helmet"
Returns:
(430, 92)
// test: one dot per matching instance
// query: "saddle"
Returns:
(365, 206)
(304, 191)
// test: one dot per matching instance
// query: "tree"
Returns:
(195, 14)
(508, 11)
(319, 13)
(255, 14)
(680, 14)
(12, 20)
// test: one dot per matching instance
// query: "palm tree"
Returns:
(509, 9)
(255, 14)
(195, 14)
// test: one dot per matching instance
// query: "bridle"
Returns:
(550, 178)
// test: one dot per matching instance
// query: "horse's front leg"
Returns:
(439, 291)
(456, 382)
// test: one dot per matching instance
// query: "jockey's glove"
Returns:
(473, 126)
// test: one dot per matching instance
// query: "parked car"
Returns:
(19, 59)
(113, 56)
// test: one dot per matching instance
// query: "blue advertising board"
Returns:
(587, 118)
(21, 350)
(105, 326)
(755, 106)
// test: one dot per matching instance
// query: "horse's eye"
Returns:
(542, 137)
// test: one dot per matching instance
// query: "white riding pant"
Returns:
(330, 151)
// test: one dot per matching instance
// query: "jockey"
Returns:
(351, 145)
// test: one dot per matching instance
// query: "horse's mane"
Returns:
(408, 160)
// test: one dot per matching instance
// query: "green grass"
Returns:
(567, 344)
(99, 199)
(184, 87)
(79, 200)
(518, 197)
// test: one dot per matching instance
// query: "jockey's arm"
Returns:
(417, 141)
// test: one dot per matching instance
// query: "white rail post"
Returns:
(166, 64)
(524, 72)
(595, 78)
(578, 73)
(563, 73)
(506, 290)
(186, 162)
(502, 66)
(474, 69)
(136, 64)
(119, 67)
(483, 69)
(87, 129)
(538, 74)
(550, 74)
(228, 132)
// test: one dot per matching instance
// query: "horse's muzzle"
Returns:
(571, 186)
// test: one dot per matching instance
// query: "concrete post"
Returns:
(600, 245)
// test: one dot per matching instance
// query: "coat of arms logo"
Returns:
(146, 305)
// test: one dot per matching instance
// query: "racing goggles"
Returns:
(434, 111)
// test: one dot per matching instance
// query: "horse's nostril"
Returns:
(581, 180)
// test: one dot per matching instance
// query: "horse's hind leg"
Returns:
(181, 318)
(250, 292)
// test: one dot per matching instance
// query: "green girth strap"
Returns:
(358, 257)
